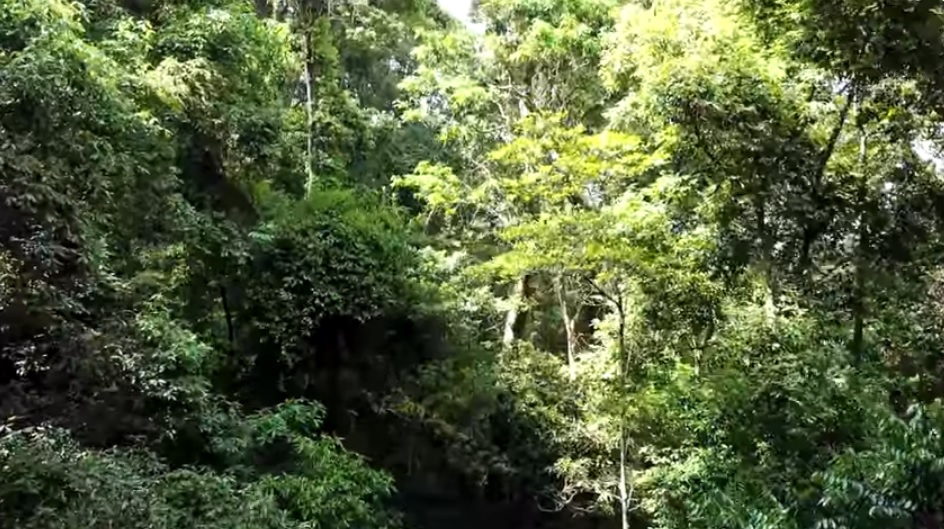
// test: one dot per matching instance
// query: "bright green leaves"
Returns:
(137, 156)
(692, 246)
(549, 166)
(650, 42)
(24, 21)
(328, 487)
(533, 58)
(664, 56)
(438, 186)
(579, 195)
(450, 93)
(51, 482)
(545, 42)
(335, 259)
(549, 54)
(893, 481)
(80, 154)
(859, 39)
(375, 43)
(226, 75)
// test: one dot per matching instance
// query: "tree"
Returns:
(673, 264)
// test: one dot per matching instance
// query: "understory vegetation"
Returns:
(577, 264)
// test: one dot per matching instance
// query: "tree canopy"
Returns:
(586, 264)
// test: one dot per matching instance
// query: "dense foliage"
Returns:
(583, 263)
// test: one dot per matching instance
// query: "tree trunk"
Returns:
(515, 319)
(231, 330)
(814, 225)
(859, 294)
(767, 259)
(309, 110)
(624, 492)
(859, 302)
(570, 323)
(623, 488)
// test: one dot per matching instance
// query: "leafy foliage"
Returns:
(53, 482)
(672, 264)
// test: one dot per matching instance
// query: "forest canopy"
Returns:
(584, 264)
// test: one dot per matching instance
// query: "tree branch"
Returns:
(602, 292)
(229, 317)
(812, 229)
(703, 146)
(833, 140)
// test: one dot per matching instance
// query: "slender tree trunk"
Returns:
(767, 258)
(859, 302)
(572, 346)
(623, 487)
(570, 323)
(309, 110)
(814, 226)
(514, 320)
(523, 111)
(231, 330)
(624, 492)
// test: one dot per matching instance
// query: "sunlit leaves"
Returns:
(862, 39)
